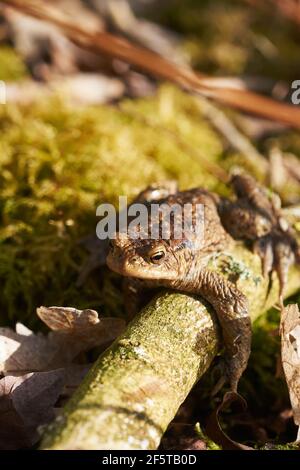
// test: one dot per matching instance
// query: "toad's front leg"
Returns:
(231, 307)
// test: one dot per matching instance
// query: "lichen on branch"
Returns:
(137, 385)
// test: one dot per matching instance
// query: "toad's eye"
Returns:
(157, 256)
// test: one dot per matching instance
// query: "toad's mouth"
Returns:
(125, 268)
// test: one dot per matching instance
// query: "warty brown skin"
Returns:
(182, 264)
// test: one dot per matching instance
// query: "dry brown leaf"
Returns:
(67, 318)
(22, 350)
(75, 331)
(27, 402)
(290, 353)
(84, 324)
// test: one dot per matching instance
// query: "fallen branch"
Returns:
(137, 385)
(159, 67)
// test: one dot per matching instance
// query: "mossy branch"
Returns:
(137, 385)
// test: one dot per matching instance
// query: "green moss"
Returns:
(58, 163)
(211, 445)
(289, 446)
(11, 65)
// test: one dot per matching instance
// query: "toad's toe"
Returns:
(278, 252)
(264, 248)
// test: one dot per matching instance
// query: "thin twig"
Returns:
(235, 138)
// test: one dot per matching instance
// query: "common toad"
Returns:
(181, 264)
